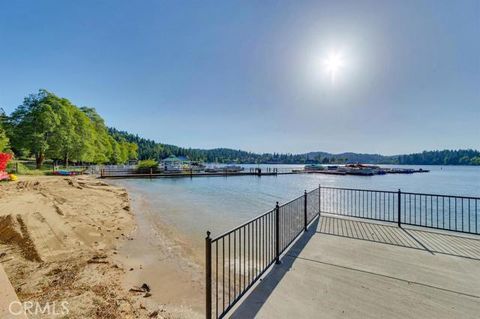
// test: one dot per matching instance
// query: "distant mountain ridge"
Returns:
(149, 149)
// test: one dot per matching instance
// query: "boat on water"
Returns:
(395, 170)
(197, 166)
(359, 169)
(421, 170)
(232, 168)
(223, 169)
(212, 168)
(332, 172)
(314, 168)
(318, 168)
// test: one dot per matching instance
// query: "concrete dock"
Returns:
(346, 268)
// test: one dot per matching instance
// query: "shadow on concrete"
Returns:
(252, 304)
(430, 241)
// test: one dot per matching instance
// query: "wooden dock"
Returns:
(132, 173)
(105, 174)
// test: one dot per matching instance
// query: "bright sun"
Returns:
(333, 63)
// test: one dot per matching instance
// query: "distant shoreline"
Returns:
(326, 164)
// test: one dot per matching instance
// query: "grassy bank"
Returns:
(28, 167)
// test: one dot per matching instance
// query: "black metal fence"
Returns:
(446, 212)
(369, 204)
(236, 259)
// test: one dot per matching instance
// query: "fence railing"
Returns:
(117, 172)
(446, 212)
(236, 259)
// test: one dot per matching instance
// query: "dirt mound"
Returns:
(51, 228)
(28, 185)
(13, 231)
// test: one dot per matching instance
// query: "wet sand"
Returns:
(75, 239)
(160, 256)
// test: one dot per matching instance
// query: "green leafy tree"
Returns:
(46, 125)
(475, 160)
(73, 138)
(101, 144)
(4, 140)
(33, 124)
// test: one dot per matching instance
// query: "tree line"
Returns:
(445, 157)
(149, 149)
(47, 126)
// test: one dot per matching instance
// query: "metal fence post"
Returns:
(319, 199)
(399, 208)
(305, 220)
(208, 276)
(277, 234)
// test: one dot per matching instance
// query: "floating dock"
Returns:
(131, 173)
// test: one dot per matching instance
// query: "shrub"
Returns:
(145, 166)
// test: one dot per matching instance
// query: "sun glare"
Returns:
(333, 63)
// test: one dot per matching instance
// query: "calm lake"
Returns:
(195, 205)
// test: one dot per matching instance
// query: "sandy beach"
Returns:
(76, 239)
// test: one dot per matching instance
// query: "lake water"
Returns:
(195, 205)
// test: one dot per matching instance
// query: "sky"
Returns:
(251, 75)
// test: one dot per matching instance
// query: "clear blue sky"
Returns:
(246, 74)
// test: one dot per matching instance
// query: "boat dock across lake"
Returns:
(132, 173)
(359, 169)
(364, 170)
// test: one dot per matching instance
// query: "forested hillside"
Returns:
(46, 126)
(445, 157)
(149, 149)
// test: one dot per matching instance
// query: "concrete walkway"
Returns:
(345, 268)
(7, 297)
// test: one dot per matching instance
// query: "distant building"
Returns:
(173, 163)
